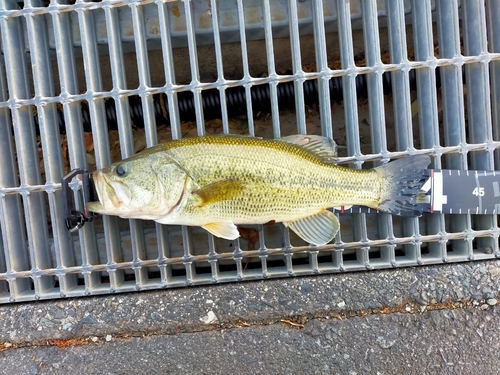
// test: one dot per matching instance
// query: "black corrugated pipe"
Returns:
(236, 100)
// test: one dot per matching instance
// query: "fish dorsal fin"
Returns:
(219, 191)
(317, 229)
(223, 229)
(321, 147)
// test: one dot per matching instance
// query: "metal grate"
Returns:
(65, 67)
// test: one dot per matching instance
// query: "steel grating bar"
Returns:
(164, 251)
(62, 31)
(15, 254)
(362, 253)
(263, 252)
(374, 81)
(141, 52)
(187, 258)
(200, 120)
(119, 82)
(426, 78)
(193, 62)
(493, 14)
(246, 71)
(351, 111)
(114, 254)
(400, 80)
(100, 138)
(426, 102)
(220, 69)
(51, 142)
(401, 98)
(18, 75)
(478, 101)
(451, 78)
(297, 67)
(212, 259)
(168, 62)
(477, 81)
(453, 104)
(271, 68)
(349, 79)
(322, 68)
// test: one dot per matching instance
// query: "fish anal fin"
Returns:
(322, 147)
(317, 229)
(223, 229)
(219, 191)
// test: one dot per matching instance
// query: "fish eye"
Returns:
(121, 171)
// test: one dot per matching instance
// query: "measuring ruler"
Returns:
(451, 191)
(464, 192)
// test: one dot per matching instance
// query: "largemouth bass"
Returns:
(218, 182)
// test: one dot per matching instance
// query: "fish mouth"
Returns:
(118, 193)
(112, 195)
(96, 206)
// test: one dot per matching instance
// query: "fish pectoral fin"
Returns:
(219, 191)
(223, 229)
(322, 147)
(317, 229)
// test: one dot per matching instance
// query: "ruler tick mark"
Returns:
(496, 189)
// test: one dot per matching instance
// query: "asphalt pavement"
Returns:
(440, 319)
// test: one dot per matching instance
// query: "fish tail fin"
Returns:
(401, 182)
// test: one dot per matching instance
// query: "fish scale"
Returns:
(293, 190)
(218, 182)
